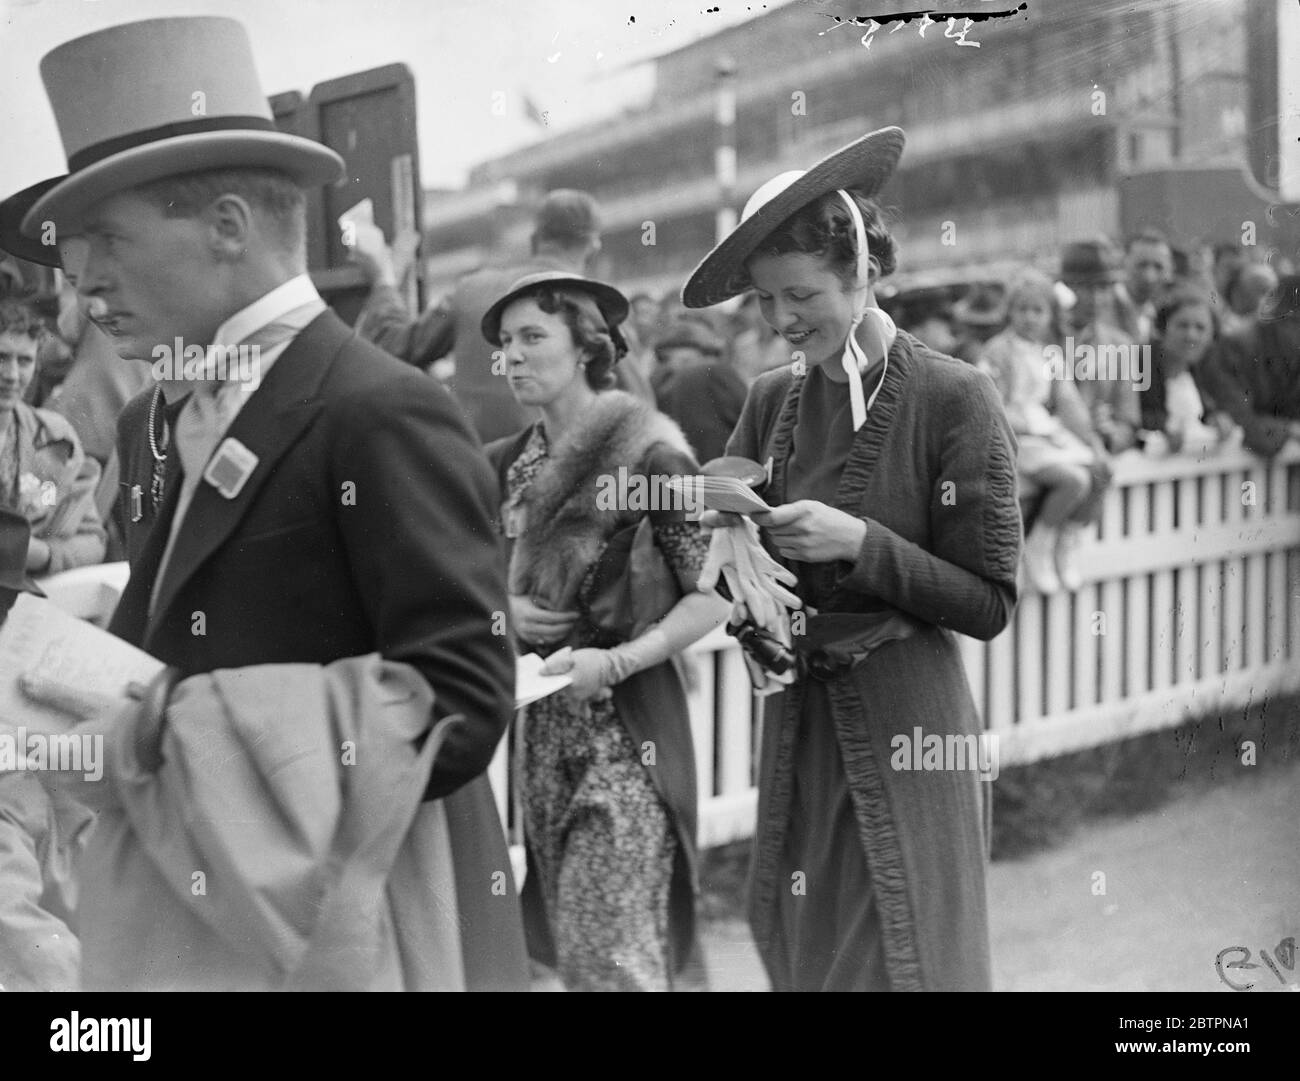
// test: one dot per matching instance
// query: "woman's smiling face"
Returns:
(1189, 334)
(804, 301)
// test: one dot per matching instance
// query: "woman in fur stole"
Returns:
(609, 794)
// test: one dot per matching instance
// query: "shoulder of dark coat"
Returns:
(771, 385)
(948, 384)
(135, 413)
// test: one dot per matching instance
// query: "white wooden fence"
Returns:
(1190, 603)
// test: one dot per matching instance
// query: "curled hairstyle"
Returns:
(1030, 283)
(1184, 295)
(588, 326)
(18, 317)
(824, 227)
(273, 194)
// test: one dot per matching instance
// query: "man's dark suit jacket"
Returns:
(135, 464)
(365, 526)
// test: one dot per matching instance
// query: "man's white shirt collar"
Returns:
(294, 293)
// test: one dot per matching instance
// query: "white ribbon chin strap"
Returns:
(881, 327)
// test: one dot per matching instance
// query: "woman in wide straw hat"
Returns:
(602, 580)
(894, 493)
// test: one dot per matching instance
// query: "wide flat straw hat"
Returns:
(862, 166)
(157, 98)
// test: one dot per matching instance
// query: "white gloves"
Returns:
(757, 581)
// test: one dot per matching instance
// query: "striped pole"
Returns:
(724, 155)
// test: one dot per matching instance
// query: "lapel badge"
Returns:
(230, 468)
(137, 503)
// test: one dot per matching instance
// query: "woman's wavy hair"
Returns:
(19, 317)
(589, 327)
(824, 227)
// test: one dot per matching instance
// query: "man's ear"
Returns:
(230, 225)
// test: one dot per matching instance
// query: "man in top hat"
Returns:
(41, 833)
(325, 504)
(1254, 376)
(566, 236)
(1088, 270)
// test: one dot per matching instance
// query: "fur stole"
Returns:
(565, 530)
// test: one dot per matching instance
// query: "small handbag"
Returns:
(634, 585)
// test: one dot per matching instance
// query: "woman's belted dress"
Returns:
(868, 871)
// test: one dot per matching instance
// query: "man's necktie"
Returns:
(205, 417)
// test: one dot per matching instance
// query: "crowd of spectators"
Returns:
(1156, 351)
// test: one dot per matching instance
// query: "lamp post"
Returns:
(724, 154)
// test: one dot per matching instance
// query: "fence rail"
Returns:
(1190, 603)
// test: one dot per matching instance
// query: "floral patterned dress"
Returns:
(599, 835)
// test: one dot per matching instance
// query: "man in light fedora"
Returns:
(323, 524)
(1089, 270)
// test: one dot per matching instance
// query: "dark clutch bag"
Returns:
(634, 585)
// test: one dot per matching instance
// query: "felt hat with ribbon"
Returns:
(146, 100)
(613, 305)
(862, 167)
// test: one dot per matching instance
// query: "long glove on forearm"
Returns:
(690, 619)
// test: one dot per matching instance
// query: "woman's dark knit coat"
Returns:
(932, 474)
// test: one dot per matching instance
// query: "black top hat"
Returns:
(15, 536)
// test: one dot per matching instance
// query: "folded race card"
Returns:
(530, 684)
(40, 642)
(720, 493)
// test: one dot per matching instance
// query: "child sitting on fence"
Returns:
(1060, 455)
(1177, 411)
